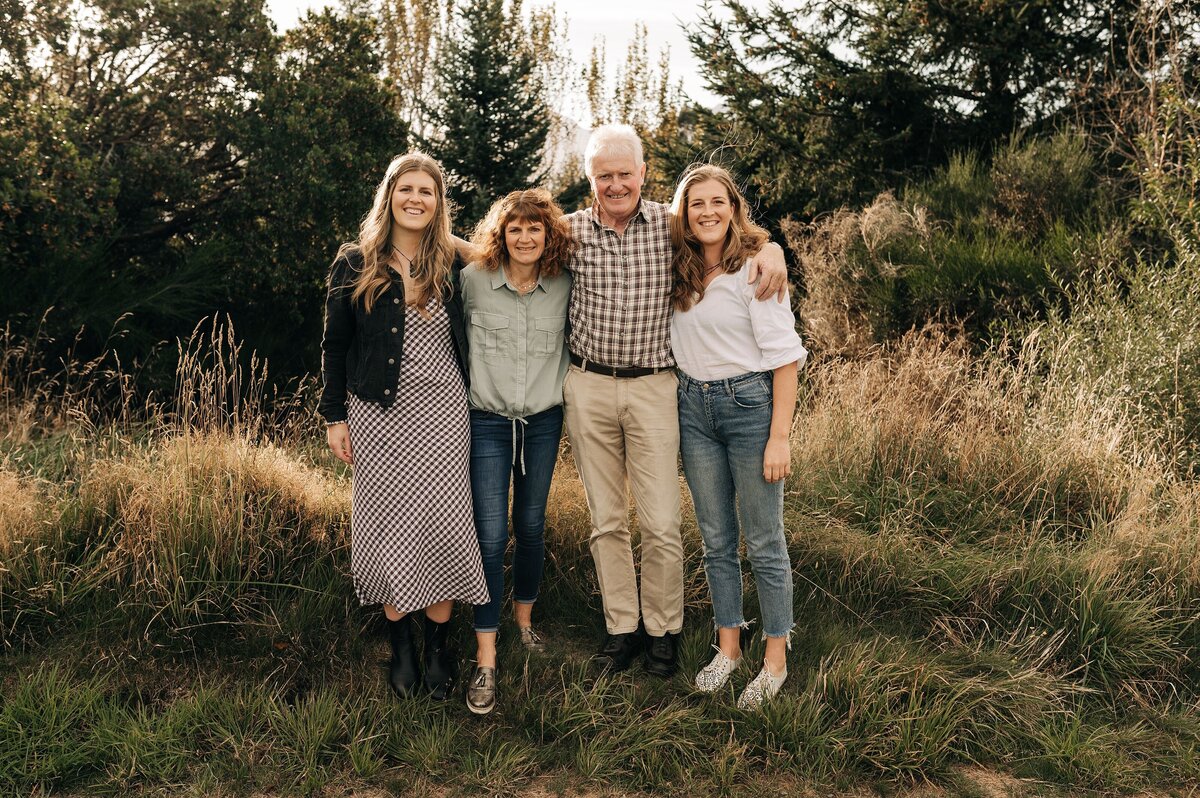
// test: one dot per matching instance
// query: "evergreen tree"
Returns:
(490, 120)
(318, 138)
(829, 102)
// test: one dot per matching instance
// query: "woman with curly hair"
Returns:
(394, 399)
(737, 362)
(515, 301)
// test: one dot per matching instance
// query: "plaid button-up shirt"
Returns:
(621, 299)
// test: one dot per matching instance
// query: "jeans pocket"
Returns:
(751, 394)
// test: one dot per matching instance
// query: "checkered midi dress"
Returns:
(412, 533)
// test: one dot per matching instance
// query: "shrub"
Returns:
(1042, 182)
(975, 247)
(1132, 339)
(853, 263)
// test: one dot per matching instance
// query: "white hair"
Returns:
(612, 140)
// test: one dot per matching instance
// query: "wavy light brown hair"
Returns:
(743, 240)
(435, 255)
(530, 205)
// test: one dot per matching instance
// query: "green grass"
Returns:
(980, 598)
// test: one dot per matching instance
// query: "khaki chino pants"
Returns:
(628, 429)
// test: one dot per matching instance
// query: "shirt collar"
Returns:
(594, 212)
(498, 280)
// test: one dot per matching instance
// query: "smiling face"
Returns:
(617, 184)
(414, 201)
(709, 212)
(525, 241)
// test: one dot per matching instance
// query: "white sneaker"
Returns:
(712, 677)
(763, 686)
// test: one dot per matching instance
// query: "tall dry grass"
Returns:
(841, 255)
(20, 509)
(176, 518)
(991, 566)
(982, 501)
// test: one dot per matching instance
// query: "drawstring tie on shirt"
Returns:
(521, 456)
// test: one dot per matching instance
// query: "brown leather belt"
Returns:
(615, 371)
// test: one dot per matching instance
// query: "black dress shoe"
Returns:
(662, 656)
(618, 651)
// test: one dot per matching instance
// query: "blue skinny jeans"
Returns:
(506, 452)
(723, 430)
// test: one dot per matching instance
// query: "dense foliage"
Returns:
(166, 161)
(829, 103)
(927, 162)
(490, 119)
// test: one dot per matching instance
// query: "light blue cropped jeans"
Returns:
(723, 430)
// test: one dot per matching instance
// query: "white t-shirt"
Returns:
(729, 332)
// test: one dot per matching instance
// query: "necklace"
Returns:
(525, 287)
(407, 263)
(405, 273)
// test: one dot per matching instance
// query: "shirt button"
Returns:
(387, 391)
(391, 361)
(393, 329)
(395, 301)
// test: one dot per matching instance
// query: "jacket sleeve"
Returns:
(456, 308)
(336, 341)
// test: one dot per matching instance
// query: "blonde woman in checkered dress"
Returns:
(395, 406)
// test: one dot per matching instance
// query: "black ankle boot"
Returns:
(439, 665)
(403, 672)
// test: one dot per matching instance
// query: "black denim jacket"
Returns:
(360, 351)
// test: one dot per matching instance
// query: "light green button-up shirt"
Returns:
(517, 352)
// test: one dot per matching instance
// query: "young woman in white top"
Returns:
(737, 361)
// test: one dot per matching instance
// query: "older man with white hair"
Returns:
(619, 396)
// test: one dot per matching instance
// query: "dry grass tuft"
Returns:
(222, 476)
(926, 414)
(847, 258)
(20, 508)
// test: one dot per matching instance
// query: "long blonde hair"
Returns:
(435, 254)
(743, 239)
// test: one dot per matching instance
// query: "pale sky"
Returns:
(612, 19)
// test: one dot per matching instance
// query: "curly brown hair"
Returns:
(743, 240)
(530, 205)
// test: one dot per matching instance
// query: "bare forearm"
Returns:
(777, 457)
(784, 401)
(466, 250)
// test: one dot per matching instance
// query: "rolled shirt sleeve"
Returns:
(774, 327)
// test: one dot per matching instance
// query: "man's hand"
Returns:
(769, 270)
(338, 438)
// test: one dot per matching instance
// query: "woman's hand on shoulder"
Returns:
(777, 459)
(338, 437)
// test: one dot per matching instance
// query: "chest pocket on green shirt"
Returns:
(490, 334)
(547, 340)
